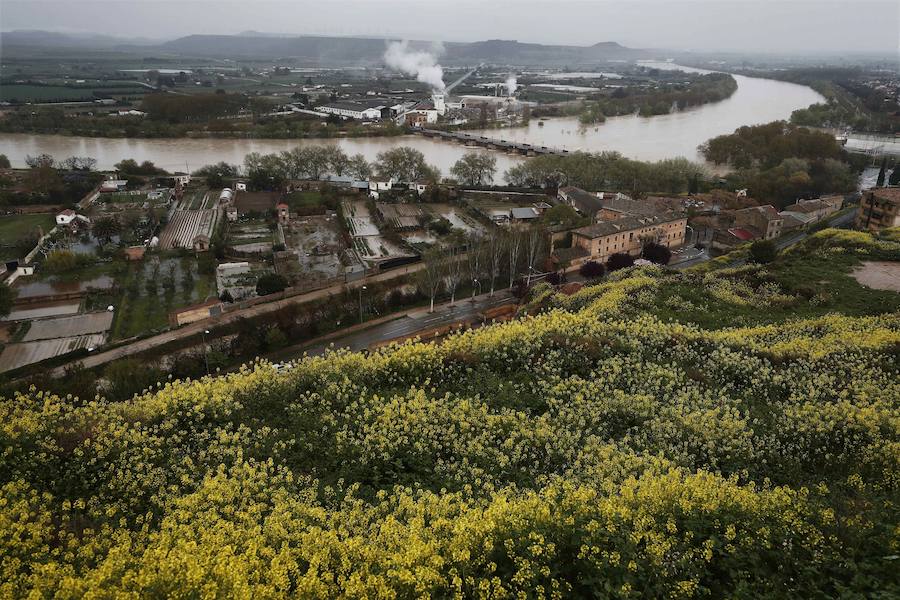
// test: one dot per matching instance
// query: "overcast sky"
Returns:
(805, 26)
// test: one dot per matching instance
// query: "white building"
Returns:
(353, 110)
(66, 217)
(440, 103)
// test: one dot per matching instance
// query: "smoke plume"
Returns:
(511, 84)
(419, 64)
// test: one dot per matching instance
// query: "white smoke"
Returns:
(421, 65)
(511, 84)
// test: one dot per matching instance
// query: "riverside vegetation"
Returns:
(630, 440)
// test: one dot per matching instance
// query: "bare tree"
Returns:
(453, 272)
(474, 259)
(431, 276)
(494, 248)
(513, 248)
(534, 241)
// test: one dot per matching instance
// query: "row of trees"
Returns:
(702, 89)
(481, 263)
(267, 171)
(607, 170)
(72, 163)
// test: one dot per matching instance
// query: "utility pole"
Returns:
(205, 350)
(361, 288)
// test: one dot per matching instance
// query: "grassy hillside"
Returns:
(614, 443)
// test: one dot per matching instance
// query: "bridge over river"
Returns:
(470, 139)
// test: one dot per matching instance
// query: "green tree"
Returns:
(7, 297)
(270, 283)
(275, 338)
(562, 214)
(129, 376)
(359, 168)
(475, 168)
(656, 253)
(619, 260)
(894, 179)
(405, 164)
(105, 228)
(763, 251)
(592, 270)
(4, 162)
(881, 172)
(216, 174)
(61, 261)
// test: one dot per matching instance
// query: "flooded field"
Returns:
(42, 309)
(35, 289)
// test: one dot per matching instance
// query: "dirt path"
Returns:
(878, 275)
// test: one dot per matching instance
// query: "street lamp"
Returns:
(205, 350)
(361, 288)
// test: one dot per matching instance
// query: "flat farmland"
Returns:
(14, 228)
(44, 93)
(256, 201)
(185, 225)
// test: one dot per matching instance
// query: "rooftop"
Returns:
(355, 105)
(767, 210)
(742, 234)
(584, 201)
(892, 193)
(806, 206)
(625, 224)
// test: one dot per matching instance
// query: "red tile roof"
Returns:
(741, 234)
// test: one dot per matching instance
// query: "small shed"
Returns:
(200, 243)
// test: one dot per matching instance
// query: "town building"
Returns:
(763, 222)
(423, 113)
(811, 211)
(231, 213)
(629, 234)
(879, 209)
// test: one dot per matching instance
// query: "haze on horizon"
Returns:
(801, 27)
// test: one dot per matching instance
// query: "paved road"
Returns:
(409, 324)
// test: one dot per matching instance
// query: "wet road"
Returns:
(409, 324)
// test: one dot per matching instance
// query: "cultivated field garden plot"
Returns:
(149, 290)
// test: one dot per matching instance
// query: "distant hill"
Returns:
(319, 49)
(56, 39)
(342, 50)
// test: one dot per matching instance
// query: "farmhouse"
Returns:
(66, 217)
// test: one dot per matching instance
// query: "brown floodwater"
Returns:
(646, 138)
